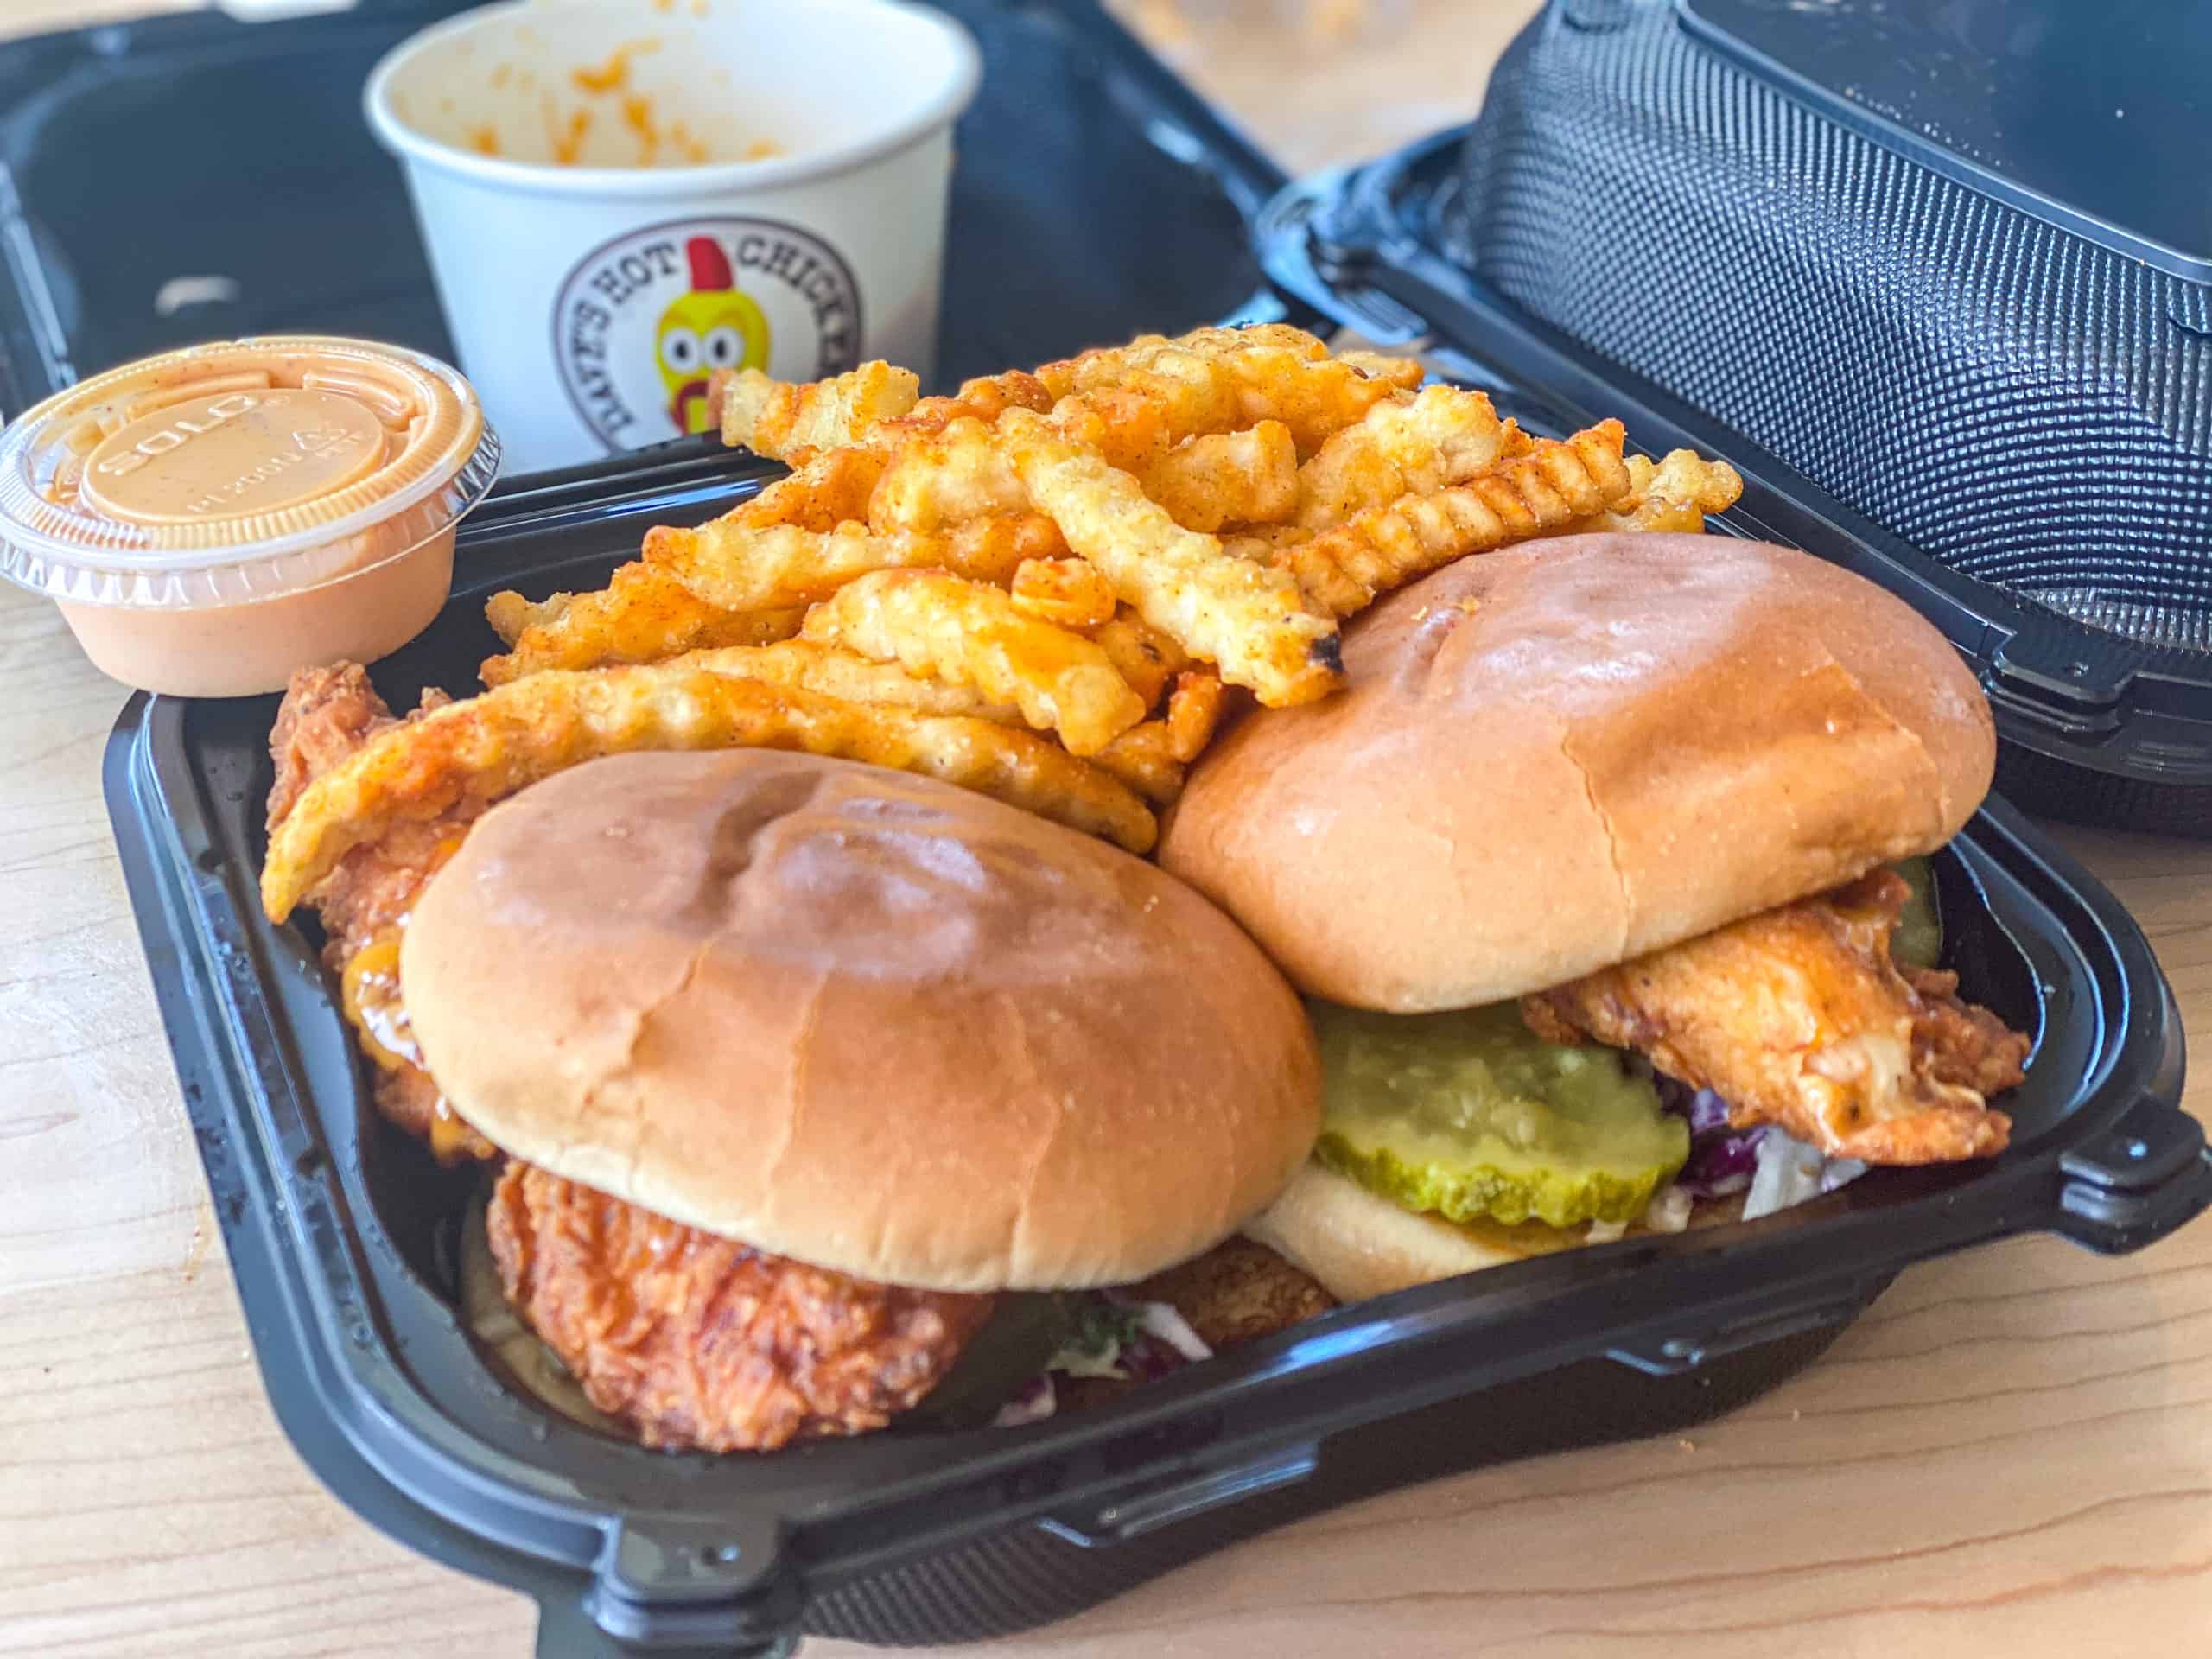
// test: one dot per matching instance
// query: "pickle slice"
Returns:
(1468, 1115)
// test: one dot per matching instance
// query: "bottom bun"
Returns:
(1359, 1244)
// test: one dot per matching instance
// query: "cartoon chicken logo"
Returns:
(714, 326)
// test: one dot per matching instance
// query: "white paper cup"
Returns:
(601, 242)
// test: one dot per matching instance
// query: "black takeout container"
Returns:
(343, 1235)
(1939, 271)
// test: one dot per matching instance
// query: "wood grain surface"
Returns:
(2011, 1455)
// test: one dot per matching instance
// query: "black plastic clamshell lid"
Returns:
(1379, 248)
(2094, 114)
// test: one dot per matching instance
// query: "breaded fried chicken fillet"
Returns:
(697, 1342)
(1798, 1016)
(326, 715)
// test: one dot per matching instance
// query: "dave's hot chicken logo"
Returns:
(642, 324)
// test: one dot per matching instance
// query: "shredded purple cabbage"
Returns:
(1118, 1336)
(1722, 1161)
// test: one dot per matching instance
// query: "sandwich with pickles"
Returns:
(1607, 884)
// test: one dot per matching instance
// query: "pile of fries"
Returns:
(1046, 587)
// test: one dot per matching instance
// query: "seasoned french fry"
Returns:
(1132, 429)
(1403, 372)
(983, 399)
(1249, 619)
(788, 422)
(1347, 568)
(1222, 478)
(468, 754)
(1135, 403)
(810, 666)
(1444, 437)
(942, 626)
(640, 616)
(1271, 336)
(831, 486)
(1065, 591)
(1104, 366)
(512, 615)
(1101, 366)
(1263, 543)
(1144, 758)
(1145, 657)
(1675, 494)
(987, 396)
(740, 568)
(1193, 711)
(1314, 399)
(938, 479)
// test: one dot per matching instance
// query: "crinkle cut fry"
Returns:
(643, 617)
(1179, 393)
(1403, 372)
(936, 479)
(1144, 758)
(786, 420)
(487, 747)
(1314, 399)
(826, 489)
(1069, 592)
(1249, 619)
(989, 396)
(1445, 435)
(943, 627)
(1675, 493)
(1135, 403)
(810, 666)
(512, 615)
(741, 569)
(1109, 365)
(1144, 657)
(983, 400)
(1345, 569)
(1193, 711)
(1223, 477)
(640, 616)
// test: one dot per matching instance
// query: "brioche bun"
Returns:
(1562, 755)
(867, 1020)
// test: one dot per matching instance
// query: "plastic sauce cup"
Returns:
(212, 518)
(619, 197)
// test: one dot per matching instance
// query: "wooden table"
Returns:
(2012, 1455)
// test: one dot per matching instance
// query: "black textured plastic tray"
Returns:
(342, 1237)
(194, 146)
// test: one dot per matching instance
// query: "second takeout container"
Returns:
(345, 1240)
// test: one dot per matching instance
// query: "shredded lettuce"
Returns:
(1789, 1172)
(1113, 1336)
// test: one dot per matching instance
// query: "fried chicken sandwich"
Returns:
(803, 1070)
(1605, 881)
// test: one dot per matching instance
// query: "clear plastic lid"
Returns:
(227, 473)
